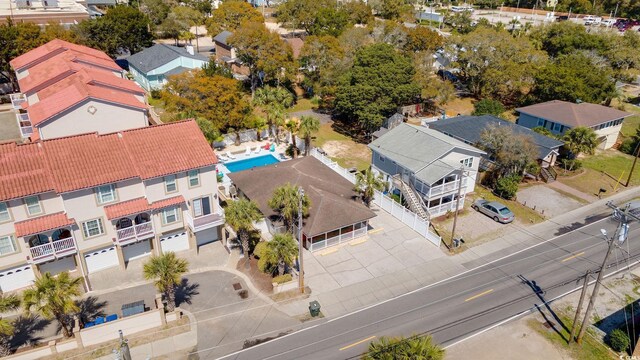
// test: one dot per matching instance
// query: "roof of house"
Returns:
(89, 160)
(139, 205)
(333, 200)
(54, 46)
(572, 114)
(296, 45)
(469, 129)
(42, 224)
(420, 149)
(92, 77)
(222, 37)
(77, 92)
(158, 55)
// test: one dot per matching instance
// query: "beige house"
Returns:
(91, 202)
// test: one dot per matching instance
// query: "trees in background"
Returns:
(274, 101)
(230, 15)
(166, 271)
(488, 107)
(177, 25)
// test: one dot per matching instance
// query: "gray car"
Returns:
(494, 210)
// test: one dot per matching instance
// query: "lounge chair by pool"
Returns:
(230, 156)
(247, 151)
(257, 150)
(267, 146)
(272, 148)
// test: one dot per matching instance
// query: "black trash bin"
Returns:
(314, 308)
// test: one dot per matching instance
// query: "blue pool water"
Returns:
(240, 165)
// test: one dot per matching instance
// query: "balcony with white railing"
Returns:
(53, 250)
(204, 222)
(17, 100)
(444, 188)
(25, 124)
(135, 233)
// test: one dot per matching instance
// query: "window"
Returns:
(540, 122)
(201, 207)
(381, 158)
(170, 215)
(33, 205)
(106, 194)
(556, 127)
(467, 162)
(194, 178)
(4, 212)
(170, 184)
(7, 245)
(92, 228)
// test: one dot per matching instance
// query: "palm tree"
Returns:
(399, 348)
(167, 270)
(282, 250)
(7, 303)
(285, 200)
(52, 297)
(241, 214)
(308, 126)
(366, 184)
(259, 124)
(580, 140)
(292, 126)
(274, 100)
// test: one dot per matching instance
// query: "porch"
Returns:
(129, 230)
(205, 221)
(48, 237)
(24, 122)
(335, 237)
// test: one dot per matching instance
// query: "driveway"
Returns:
(549, 202)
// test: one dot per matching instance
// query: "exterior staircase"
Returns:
(415, 202)
(548, 174)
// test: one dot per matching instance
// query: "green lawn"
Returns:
(304, 104)
(343, 150)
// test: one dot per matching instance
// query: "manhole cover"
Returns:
(548, 324)
(237, 286)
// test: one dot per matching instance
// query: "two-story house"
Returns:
(559, 116)
(427, 166)
(90, 202)
(68, 89)
(152, 66)
(226, 54)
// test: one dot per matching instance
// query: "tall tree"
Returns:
(230, 15)
(123, 29)
(380, 80)
(285, 200)
(393, 9)
(422, 38)
(274, 100)
(156, 10)
(309, 125)
(240, 215)
(513, 153)
(293, 126)
(302, 14)
(488, 107)
(268, 57)
(282, 250)
(53, 298)
(215, 98)
(367, 183)
(166, 271)
(179, 21)
(399, 348)
(9, 302)
(322, 60)
(580, 140)
(359, 12)
(330, 20)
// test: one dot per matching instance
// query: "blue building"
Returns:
(151, 67)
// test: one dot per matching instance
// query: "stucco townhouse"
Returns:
(90, 202)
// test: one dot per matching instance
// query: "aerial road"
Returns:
(466, 304)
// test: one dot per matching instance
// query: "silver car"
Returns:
(494, 210)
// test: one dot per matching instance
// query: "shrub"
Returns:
(281, 279)
(156, 94)
(289, 150)
(571, 164)
(260, 251)
(488, 107)
(628, 146)
(507, 187)
(618, 340)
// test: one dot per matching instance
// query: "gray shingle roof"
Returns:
(420, 149)
(222, 37)
(572, 114)
(469, 128)
(158, 55)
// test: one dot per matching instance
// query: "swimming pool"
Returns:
(246, 164)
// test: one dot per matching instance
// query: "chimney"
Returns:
(189, 49)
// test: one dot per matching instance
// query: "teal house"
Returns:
(151, 66)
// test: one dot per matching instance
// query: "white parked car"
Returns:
(608, 22)
(592, 20)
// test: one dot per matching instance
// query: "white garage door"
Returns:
(136, 250)
(206, 236)
(57, 266)
(175, 242)
(16, 278)
(101, 259)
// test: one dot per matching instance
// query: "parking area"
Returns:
(549, 202)
(9, 129)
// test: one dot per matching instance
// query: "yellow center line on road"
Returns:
(478, 295)
(357, 343)
(573, 256)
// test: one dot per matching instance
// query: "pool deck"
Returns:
(239, 151)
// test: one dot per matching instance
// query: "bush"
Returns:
(260, 252)
(618, 340)
(628, 146)
(281, 279)
(507, 187)
(290, 149)
(571, 164)
(156, 94)
(488, 107)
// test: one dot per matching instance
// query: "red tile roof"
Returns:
(91, 77)
(23, 171)
(77, 92)
(572, 114)
(54, 46)
(161, 204)
(85, 161)
(127, 208)
(42, 224)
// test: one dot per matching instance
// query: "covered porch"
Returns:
(48, 237)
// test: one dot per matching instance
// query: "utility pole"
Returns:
(300, 245)
(635, 158)
(455, 214)
(582, 294)
(618, 237)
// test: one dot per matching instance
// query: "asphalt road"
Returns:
(459, 307)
